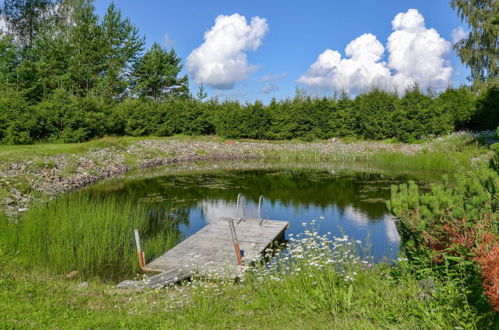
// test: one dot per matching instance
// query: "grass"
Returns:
(442, 155)
(23, 152)
(93, 236)
(321, 290)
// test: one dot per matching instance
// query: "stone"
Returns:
(129, 284)
(72, 274)
(83, 285)
(8, 201)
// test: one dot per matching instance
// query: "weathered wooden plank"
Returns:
(211, 249)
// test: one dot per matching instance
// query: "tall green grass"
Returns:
(384, 160)
(93, 236)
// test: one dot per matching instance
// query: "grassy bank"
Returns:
(442, 155)
(322, 290)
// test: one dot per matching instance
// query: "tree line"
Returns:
(68, 75)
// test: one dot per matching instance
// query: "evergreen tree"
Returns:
(480, 49)
(8, 60)
(156, 75)
(26, 17)
(201, 93)
(374, 113)
(86, 39)
(461, 104)
(122, 46)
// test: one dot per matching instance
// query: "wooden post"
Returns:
(236, 243)
(140, 254)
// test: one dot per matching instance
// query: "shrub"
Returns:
(17, 123)
(452, 227)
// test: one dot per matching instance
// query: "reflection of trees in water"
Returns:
(297, 188)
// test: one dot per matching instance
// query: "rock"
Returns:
(9, 201)
(82, 286)
(128, 284)
(72, 274)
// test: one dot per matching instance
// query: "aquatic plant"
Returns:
(93, 236)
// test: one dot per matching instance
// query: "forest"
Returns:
(68, 75)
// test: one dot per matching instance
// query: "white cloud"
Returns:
(274, 77)
(356, 215)
(169, 42)
(458, 34)
(270, 80)
(269, 88)
(415, 55)
(221, 60)
(361, 70)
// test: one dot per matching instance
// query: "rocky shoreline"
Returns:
(44, 177)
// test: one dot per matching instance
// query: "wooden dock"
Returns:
(211, 250)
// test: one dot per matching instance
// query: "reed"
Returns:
(93, 236)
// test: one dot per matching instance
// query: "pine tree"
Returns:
(156, 75)
(86, 58)
(8, 60)
(122, 46)
(26, 17)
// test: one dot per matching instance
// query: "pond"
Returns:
(351, 204)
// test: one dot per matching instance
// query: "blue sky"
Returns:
(296, 33)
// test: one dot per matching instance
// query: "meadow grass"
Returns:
(23, 152)
(441, 155)
(387, 161)
(316, 283)
(93, 236)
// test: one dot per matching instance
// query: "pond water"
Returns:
(353, 204)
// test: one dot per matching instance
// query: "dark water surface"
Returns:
(354, 204)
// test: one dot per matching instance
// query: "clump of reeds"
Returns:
(91, 235)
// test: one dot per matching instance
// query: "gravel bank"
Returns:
(42, 178)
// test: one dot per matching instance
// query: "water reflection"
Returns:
(212, 210)
(352, 204)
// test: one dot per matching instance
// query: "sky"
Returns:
(256, 50)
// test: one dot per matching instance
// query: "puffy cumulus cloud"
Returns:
(416, 54)
(221, 60)
(391, 230)
(361, 70)
(458, 34)
(212, 211)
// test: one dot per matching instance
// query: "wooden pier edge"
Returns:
(211, 250)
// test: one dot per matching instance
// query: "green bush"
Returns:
(450, 228)
(378, 115)
(67, 118)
